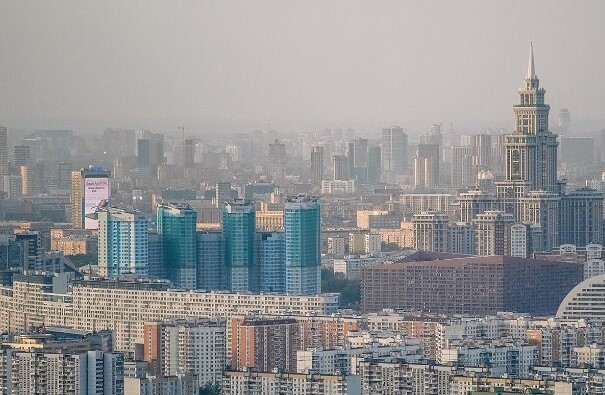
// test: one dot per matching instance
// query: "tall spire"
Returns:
(531, 70)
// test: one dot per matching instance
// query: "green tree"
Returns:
(210, 389)
(349, 290)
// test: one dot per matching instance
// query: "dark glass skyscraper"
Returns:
(176, 223)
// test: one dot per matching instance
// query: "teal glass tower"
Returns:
(303, 254)
(239, 224)
(176, 223)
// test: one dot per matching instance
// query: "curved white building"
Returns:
(585, 301)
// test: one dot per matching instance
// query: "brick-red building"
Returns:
(459, 284)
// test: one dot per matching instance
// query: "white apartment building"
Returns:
(373, 244)
(338, 361)
(189, 347)
(124, 307)
(256, 383)
(336, 246)
(56, 373)
(157, 385)
(513, 359)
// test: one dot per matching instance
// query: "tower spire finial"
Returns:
(531, 70)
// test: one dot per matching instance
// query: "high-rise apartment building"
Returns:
(426, 166)
(123, 242)
(475, 202)
(239, 224)
(89, 187)
(210, 260)
(341, 167)
(492, 233)
(431, 231)
(394, 146)
(264, 344)
(460, 238)
(374, 164)
(21, 155)
(33, 179)
(463, 169)
(581, 221)
(540, 208)
(482, 149)
(180, 347)
(176, 223)
(271, 261)
(36, 371)
(358, 159)
(303, 244)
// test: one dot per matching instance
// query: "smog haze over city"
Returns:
(227, 66)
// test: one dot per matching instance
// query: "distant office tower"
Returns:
(581, 220)
(264, 344)
(358, 159)
(303, 246)
(123, 242)
(426, 166)
(186, 347)
(564, 121)
(482, 149)
(492, 233)
(150, 150)
(461, 240)
(21, 155)
(463, 169)
(433, 137)
(120, 142)
(542, 209)
(531, 150)
(394, 146)
(189, 152)
(13, 187)
(271, 261)
(3, 154)
(317, 164)
(374, 164)
(33, 178)
(431, 231)
(89, 187)
(239, 223)
(223, 192)
(341, 167)
(277, 160)
(177, 225)
(64, 174)
(210, 260)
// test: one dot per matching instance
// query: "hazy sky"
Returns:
(254, 62)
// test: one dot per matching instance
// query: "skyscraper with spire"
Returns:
(531, 150)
